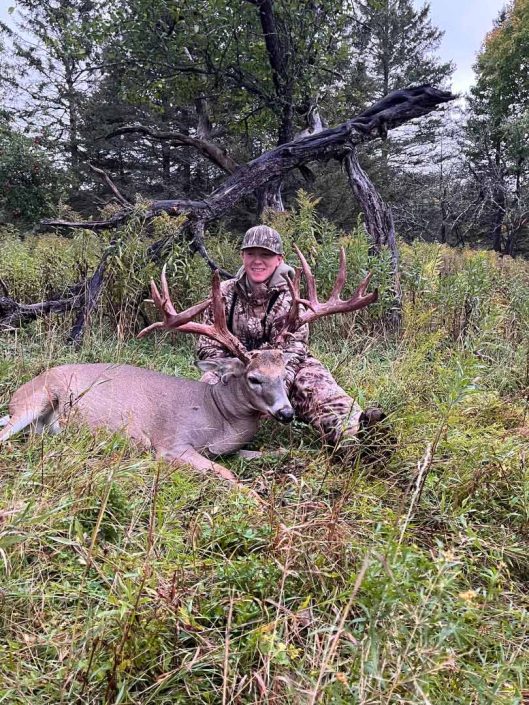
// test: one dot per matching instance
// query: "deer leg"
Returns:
(35, 421)
(189, 456)
(16, 424)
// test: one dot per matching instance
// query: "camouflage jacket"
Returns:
(254, 315)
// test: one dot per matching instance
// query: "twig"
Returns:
(225, 670)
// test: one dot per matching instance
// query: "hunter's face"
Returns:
(259, 264)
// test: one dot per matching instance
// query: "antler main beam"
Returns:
(182, 322)
(315, 309)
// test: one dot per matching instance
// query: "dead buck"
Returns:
(182, 420)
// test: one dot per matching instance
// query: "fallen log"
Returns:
(14, 314)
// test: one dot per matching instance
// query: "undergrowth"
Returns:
(125, 581)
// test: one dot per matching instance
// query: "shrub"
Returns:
(30, 185)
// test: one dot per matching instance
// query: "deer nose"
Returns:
(285, 414)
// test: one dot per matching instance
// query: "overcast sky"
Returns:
(464, 22)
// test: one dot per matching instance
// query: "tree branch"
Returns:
(379, 224)
(91, 292)
(394, 110)
(12, 314)
(117, 193)
(208, 149)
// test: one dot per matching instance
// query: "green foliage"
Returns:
(400, 48)
(30, 185)
(54, 47)
(497, 126)
(126, 581)
(40, 266)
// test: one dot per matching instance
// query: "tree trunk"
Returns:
(444, 215)
(166, 146)
(269, 198)
(379, 225)
(498, 215)
(91, 295)
(73, 144)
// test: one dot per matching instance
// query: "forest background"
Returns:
(75, 74)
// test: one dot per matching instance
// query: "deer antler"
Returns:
(317, 309)
(182, 322)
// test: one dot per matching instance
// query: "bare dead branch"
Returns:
(117, 193)
(394, 110)
(378, 221)
(13, 314)
(208, 149)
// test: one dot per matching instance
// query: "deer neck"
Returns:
(231, 400)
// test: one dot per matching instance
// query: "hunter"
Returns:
(256, 300)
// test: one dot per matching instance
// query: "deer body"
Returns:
(179, 418)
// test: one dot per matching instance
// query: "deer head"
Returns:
(261, 379)
(259, 375)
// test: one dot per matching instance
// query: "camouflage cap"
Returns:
(265, 237)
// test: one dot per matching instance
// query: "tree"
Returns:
(397, 44)
(55, 56)
(498, 127)
(30, 185)
(253, 74)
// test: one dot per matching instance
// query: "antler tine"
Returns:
(341, 277)
(165, 289)
(362, 287)
(171, 319)
(163, 302)
(219, 330)
(219, 312)
(309, 276)
(293, 313)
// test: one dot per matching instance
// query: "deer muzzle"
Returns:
(285, 414)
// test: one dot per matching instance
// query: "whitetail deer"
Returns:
(181, 419)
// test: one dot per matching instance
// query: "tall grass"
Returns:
(124, 581)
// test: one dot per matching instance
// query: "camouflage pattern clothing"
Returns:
(254, 314)
(265, 237)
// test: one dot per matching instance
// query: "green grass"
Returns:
(124, 581)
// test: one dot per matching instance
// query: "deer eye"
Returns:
(254, 380)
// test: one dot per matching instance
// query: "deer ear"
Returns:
(225, 367)
(207, 365)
